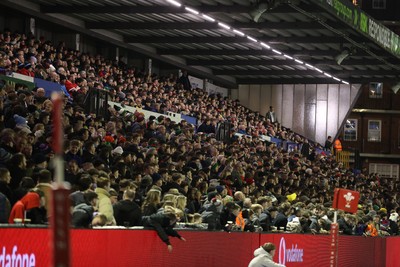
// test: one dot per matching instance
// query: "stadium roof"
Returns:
(239, 41)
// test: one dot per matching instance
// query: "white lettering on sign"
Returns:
(15, 259)
(379, 33)
(293, 254)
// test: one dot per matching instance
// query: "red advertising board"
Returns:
(30, 247)
(346, 200)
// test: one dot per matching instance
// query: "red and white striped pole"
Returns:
(60, 216)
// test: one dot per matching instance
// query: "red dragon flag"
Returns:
(346, 200)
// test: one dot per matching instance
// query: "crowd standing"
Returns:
(131, 170)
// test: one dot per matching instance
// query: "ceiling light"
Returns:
(224, 26)
(239, 32)
(175, 3)
(192, 10)
(277, 52)
(342, 56)
(251, 38)
(299, 61)
(327, 75)
(208, 18)
(345, 82)
(396, 87)
(318, 70)
(311, 67)
(265, 45)
(287, 56)
(337, 79)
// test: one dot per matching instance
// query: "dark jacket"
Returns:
(127, 213)
(280, 221)
(161, 223)
(82, 216)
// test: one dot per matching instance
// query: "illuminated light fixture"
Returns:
(342, 56)
(208, 18)
(192, 10)
(265, 45)
(239, 32)
(251, 38)
(396, 87)
(224, 26)
(261, 9)
(277, 52)
(175, 3)
(318, 70)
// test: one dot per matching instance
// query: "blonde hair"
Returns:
(181, 202)
(152, 198)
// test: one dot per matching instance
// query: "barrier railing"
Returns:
(344, 157)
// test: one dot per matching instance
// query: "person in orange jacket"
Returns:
(337, 145)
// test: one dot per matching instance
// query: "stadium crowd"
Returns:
(132, 171)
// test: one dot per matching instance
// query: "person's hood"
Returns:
(260, 251)
(85, 207)
(31, 200)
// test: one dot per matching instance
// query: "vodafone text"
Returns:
(15, 259)
(293, 254)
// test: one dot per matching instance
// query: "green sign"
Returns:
(359, 20)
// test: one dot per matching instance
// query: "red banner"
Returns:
(334, 244)
(346, 200)
(30, 247)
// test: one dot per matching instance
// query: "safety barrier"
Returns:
(344, 157)
(126, 247)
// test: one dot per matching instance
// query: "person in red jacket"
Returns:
(30, 201)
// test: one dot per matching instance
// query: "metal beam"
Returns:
(299, 81)
(242, 52)
(278, 62)
(133, 25)
(236, 39)
(129, 9)
(300, 54)
(347, 73)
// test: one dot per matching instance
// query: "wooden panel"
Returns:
(298, 108)
(287, 105)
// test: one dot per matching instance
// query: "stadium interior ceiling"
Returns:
(227, 41)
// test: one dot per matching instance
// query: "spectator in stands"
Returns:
(164, 223)
(27, 208)
(328, 144)
(82, 214)
(104, 204)
(44, 185)
(5, 189)
(151, 202)
(126, 211)
(271, 115)
(337, 145)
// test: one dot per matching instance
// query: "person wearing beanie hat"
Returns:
(117, 151)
